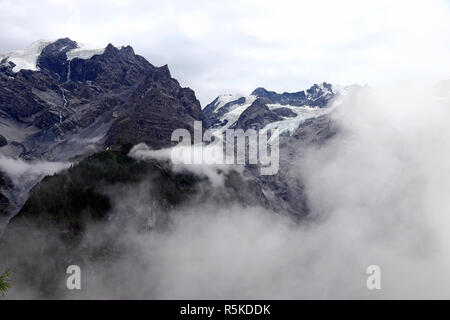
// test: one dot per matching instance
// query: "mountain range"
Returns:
(63, 102)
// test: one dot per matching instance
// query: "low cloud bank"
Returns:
(209, 158)
(378, 194)
(19, 170)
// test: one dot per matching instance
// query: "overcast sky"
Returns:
(234, 46)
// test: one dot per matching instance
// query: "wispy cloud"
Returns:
(21, 171)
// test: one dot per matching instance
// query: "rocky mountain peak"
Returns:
(164, 71)
(111, 51)
(262, 92)
(53, 58)
(128, 50)
(76, 100)
(231, 111)
(256, 116)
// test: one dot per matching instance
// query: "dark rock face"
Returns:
(18, 98)
(3, 141)
(316, 96)
(53, 59)
(156, 108)
(257, 116)
(6, 206)
(316, 131)
(70, 108)
(212, 118)
(152, 117)
(112, 69)
(285, 112)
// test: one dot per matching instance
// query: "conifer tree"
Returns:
(5, 282)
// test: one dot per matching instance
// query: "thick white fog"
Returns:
(21, 171)
(378, 192)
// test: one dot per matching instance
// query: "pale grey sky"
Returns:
(234, 46)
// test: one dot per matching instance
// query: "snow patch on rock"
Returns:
(83, 52)
(25, 59)
(289, 126)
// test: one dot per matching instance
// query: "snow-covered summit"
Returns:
(293, 107)
(223, 99)
(27, 59)
(83, 52)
